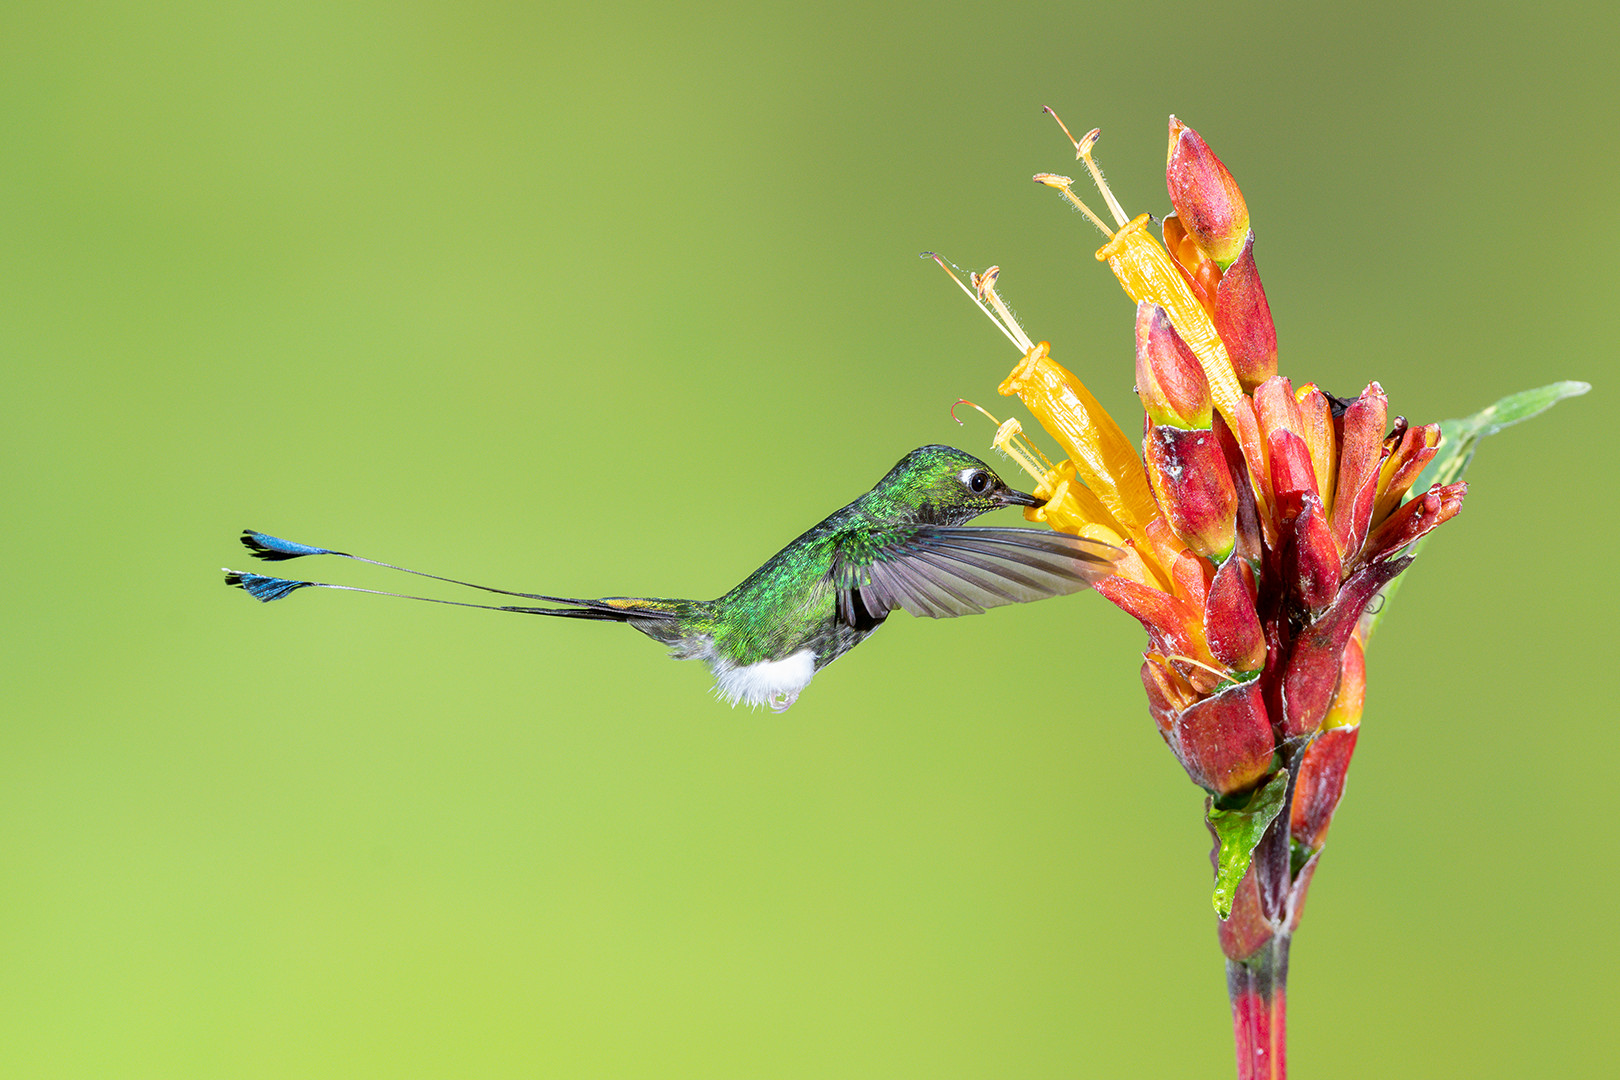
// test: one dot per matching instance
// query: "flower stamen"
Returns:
(1011, 440)
(1064, 186)
(985, 285)
(1082, 150)
(974, 297)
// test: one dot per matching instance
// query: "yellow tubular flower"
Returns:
(1103, 457)
(1073, 508)
(1145, 272)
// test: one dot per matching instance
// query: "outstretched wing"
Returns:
(943, 572)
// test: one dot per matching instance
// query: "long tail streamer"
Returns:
(265, 588)
(274, 549)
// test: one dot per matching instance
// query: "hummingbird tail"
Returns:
(264, 588)
(274, 549)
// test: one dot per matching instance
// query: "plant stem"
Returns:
(1258, 988)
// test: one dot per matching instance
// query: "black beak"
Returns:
(1009, 497)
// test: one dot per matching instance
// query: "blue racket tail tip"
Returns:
(274, 549)
(261, 587)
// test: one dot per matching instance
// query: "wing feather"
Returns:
(943, 571)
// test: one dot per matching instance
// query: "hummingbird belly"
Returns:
(767, 682)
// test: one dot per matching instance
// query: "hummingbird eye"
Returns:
(979, 482)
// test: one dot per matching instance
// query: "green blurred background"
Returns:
(618, 299)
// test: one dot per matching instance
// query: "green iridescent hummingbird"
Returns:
(904, 545)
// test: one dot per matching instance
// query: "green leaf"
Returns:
(1459, 439)
(1239, 831)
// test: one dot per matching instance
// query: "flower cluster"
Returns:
(1256, 527)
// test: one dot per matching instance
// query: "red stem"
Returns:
(1258, 988)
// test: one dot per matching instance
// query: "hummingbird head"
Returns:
(942, 485)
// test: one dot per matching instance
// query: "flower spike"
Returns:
(1258, 528)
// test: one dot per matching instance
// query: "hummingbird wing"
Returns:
(945, 571)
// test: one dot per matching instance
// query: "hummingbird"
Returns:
(904, 545)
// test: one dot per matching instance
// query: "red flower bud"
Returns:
(1313, 669)
(1206, 198)
(1192, 482)
(1411, 521)
(1282, 425)
(1360, 452)
(1250, 542)
(1198, 270)
(1352, 691)
(1316, 420)
(1320, 785)
(1190, 577)
(1403, 466)
(1169, 378)
(1225, 742)
(1293, 478)
(1278, 408)
(1243, 319)
(1231, 623)
(1312, 562)
(1170, 623)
